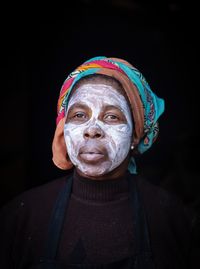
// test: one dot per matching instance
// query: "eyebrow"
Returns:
(78, 105)
(113, 107)
(84, 106)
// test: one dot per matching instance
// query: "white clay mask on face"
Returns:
(98, 129)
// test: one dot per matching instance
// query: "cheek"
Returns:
(119, 133)
(73, 135)
(119, 139)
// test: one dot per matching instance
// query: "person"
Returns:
(102, 214)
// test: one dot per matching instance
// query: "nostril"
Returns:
(93, 132)
(87, 135)
(98, 135)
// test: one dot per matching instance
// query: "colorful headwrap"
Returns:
(145, 105)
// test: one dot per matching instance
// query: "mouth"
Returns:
(91, 156)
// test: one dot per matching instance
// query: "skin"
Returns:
(98, 131)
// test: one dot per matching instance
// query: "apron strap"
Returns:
(56, 222)
(143, 251)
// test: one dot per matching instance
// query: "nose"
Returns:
(93, 132)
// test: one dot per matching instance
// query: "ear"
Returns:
(59, 149)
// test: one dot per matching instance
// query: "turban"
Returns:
(146, 106)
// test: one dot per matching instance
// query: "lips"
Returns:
(91, 155)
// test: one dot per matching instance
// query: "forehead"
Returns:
(96, 93)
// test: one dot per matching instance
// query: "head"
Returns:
(105, 109)
(98, 128)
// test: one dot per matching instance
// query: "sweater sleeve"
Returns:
(186, 231)
(8, 225)
(194, 261)
(173, 228)
(23, 225)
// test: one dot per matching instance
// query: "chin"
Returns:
(93, 171)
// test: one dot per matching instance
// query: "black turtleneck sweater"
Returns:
(98, 223)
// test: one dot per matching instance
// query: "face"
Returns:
(98, 129)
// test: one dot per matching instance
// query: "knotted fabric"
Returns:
(146, 106)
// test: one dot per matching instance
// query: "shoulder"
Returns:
(163, 203)
(157, 194)
(35, 199)
(172, 223)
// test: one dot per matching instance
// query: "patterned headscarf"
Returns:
(146, 106)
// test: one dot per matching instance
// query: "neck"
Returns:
(99, 190)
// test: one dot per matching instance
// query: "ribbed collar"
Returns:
(96, 190)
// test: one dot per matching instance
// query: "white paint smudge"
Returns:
(116, 138)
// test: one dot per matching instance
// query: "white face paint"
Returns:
(98, 129)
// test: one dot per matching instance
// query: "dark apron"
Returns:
(142, 258)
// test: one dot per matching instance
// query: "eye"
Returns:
(79, 115)
(111, 118)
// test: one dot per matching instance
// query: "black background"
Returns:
(41, 45)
